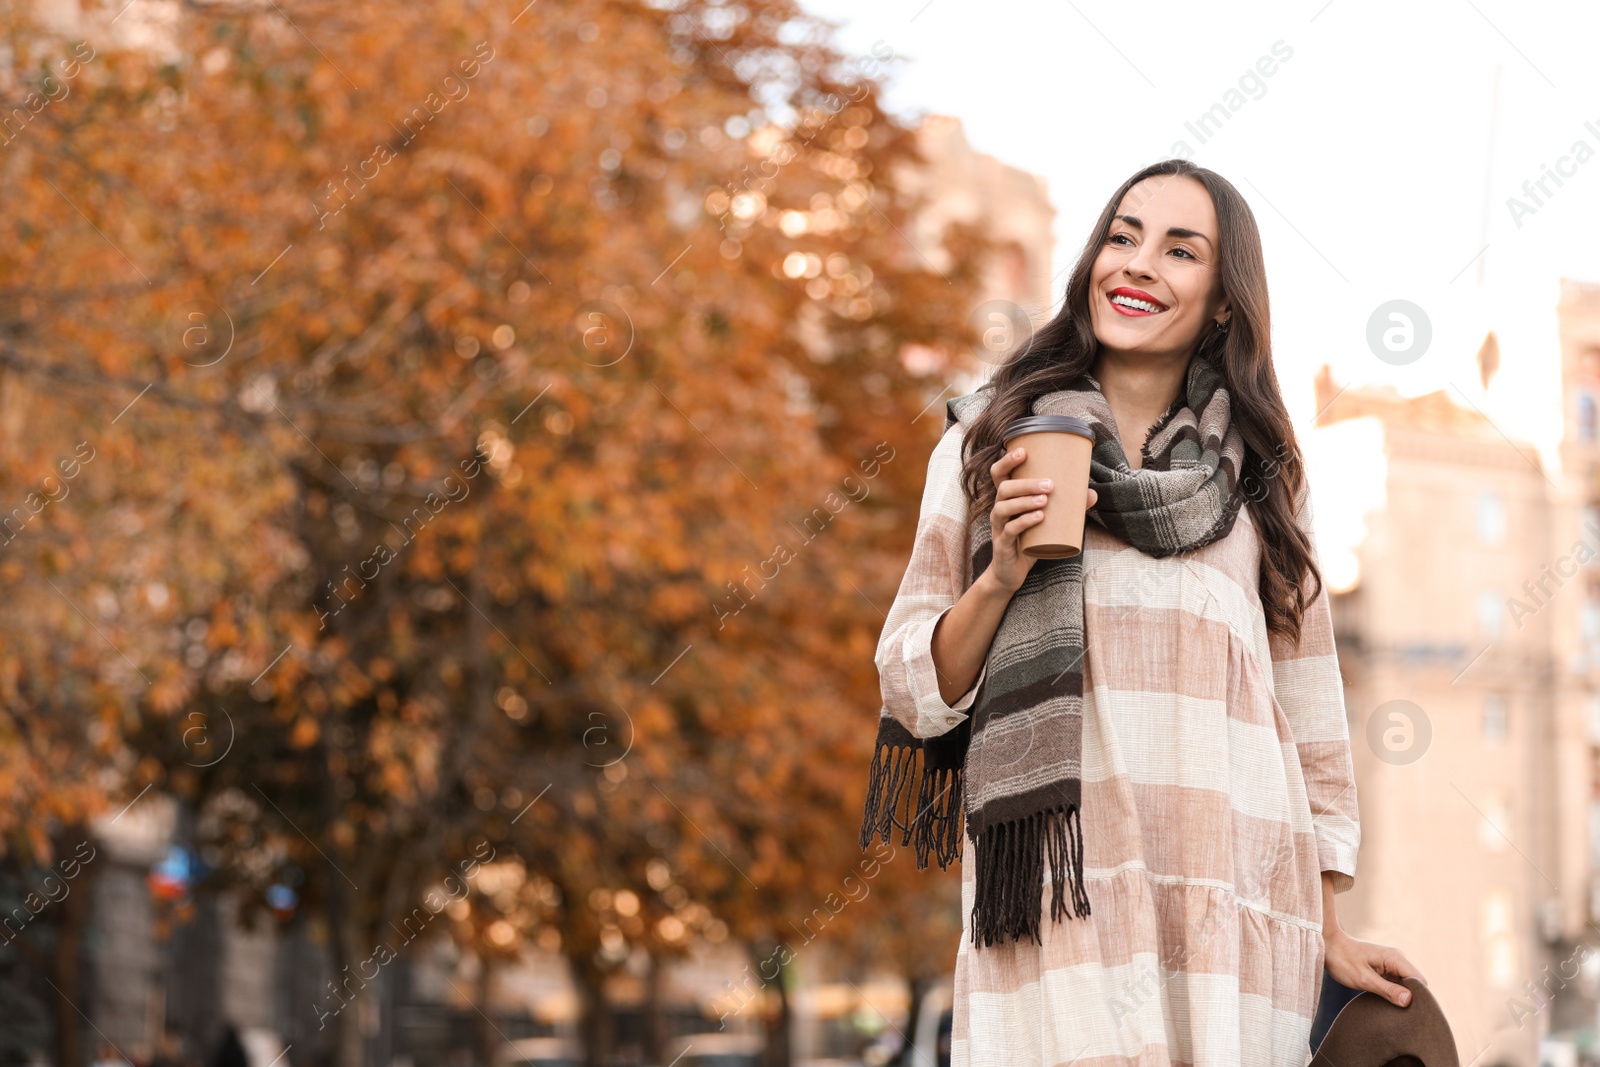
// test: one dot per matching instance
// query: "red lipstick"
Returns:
(1134, 294)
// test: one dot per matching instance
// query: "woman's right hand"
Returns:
(1018, 505)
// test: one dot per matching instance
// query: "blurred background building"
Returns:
(1012, 208)
(1467, 582)
(1008, 204)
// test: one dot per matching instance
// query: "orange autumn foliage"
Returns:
(453, 385)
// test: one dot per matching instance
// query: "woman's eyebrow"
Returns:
(1172, 231)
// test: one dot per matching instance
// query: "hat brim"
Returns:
(1370, 1031)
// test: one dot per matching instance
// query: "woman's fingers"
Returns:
(1365, 966)
(1390, 991)
(1395, 963)
(1022, 522)
(1385, 964)
(1018, 513)
(1017, 505)
(1006, 464)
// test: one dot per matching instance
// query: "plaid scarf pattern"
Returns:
(1013, 768)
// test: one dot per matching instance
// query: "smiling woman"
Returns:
(1173, 690)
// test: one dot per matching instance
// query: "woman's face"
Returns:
(1161, 251)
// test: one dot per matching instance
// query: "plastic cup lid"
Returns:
(1049, 423)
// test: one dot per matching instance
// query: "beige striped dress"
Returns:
(1217, 786)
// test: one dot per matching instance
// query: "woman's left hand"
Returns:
(1363, 965)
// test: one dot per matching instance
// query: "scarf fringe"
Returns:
(933, 824)
(1010, 864)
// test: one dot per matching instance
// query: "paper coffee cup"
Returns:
(1058, 447)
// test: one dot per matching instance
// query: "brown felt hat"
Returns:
(1369, 1031)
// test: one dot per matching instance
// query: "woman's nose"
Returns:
(1142, 264)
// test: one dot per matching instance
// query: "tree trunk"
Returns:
(67, 960)
(349, 1044)
(655, 1021)
(595, 1025)
(484, 1034)
(780, 1028)
(920, 984)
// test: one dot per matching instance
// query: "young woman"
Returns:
(1155, 728)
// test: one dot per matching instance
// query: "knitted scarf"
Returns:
(1014, 765)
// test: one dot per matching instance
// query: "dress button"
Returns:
(951, 720)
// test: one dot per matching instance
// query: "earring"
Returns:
(1222, 324)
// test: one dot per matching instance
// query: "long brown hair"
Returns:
(1064, 349)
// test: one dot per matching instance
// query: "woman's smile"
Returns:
(1134, 303)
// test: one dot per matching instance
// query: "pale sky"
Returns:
(1364, 155)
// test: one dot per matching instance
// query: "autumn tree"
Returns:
(476, 393)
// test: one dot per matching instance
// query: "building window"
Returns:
(1586, 416)
(1491, 518)
(1490, 612)
(1589, 535)
(1495, 828)
(1494, 717)
(1499, 939)
(1589, 628)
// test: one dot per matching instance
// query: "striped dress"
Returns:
(1217, 786)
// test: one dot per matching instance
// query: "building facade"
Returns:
(1468, 631)
(1009, 206)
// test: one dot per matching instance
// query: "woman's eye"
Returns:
(1118, 238)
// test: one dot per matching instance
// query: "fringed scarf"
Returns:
(1014, 765)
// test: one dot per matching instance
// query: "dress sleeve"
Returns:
(1309, 688)
(939, 572)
